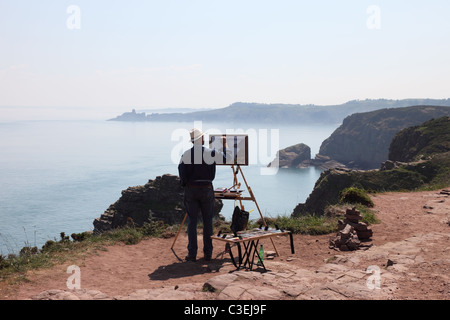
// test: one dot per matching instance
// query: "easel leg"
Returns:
(236, 183)
(254, 200)
(178, 233)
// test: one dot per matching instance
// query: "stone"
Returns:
(388, 165)
(80, 294)
(346, 232)
(233, 292)
(175, 295)
(390, 263)
(218, 283)
(353, 215)
(264, 293)
(364, 235)
(292, 157)
(360, 226)
(295, 290)
(351, 232)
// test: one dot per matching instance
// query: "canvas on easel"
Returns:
(237, 147)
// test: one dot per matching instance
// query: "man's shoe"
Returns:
(190, 258)
(207, 258)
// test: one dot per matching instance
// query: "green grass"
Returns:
(367, 214)
(355, 196)
(15, 266)
(305, 224)
(337, 211)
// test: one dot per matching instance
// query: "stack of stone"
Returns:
(351, 232)
(353, 218)
(345, 240)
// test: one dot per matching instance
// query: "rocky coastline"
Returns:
(363, 140)
(160, 199)
(427, 166)
(299, 156)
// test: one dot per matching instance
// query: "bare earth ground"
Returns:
(410, 252)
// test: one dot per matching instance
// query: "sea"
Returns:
(59, 175)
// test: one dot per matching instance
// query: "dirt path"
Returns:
(413, 226)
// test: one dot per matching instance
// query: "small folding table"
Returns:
(250, 240)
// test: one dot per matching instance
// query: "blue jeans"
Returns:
(199, 200)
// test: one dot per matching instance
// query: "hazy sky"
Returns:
(211, 53)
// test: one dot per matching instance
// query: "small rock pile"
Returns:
(353, 234)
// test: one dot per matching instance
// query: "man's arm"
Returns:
(182, 173)
(226, 152)
(183, 168)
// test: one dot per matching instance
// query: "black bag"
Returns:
(239, 220)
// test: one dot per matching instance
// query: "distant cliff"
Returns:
(426, 150)
(293, 114)
(363, 140)
(421, 142)
(132, 116)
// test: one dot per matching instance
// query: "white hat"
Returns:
(196, 134)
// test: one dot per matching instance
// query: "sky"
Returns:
(116, 55)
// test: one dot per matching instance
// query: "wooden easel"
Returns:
(250, 198)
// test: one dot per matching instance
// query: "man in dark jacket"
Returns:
(197, 170)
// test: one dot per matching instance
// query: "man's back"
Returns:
(197, 166)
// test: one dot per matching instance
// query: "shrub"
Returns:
(28, 251)
(48, 246)
(131, 236)
(78, 237)
(153, 228)
(354, 195)
(3, 262)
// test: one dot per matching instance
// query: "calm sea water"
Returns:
(58, 176)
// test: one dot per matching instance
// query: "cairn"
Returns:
(353, 233)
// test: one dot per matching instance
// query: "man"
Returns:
(197, 170)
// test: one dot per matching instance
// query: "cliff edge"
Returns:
(363, 140)
(159, 199)
(427, 152)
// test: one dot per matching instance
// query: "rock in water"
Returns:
(159, 199)
(292, 156)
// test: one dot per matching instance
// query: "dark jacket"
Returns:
(198, 166)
